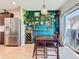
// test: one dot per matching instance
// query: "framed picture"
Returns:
(36, 14)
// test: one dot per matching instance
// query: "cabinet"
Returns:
(11, 40)
(1, 30)
(1, 20)
(28, 36)
(1, 37)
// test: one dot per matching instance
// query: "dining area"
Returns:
(39, 29)
(45, 44)
(43, 31)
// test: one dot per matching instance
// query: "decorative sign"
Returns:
(36, 14)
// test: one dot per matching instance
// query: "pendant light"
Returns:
(44, 10)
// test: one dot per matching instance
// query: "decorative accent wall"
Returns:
(41, 25)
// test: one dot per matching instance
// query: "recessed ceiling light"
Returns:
(14, 3)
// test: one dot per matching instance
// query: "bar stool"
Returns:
(53, 44)
(39, 46)
(45, 43)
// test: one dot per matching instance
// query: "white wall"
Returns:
(66, 7)
(16, 11)
(62, 28)
(69, 5)
(22, 30)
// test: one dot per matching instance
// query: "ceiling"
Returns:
(32, 4)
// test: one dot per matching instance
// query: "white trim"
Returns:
(72, 51)
(71, 10)
(62, 17)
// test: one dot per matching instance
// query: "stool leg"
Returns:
(36, 53)
(44, 52)
(34, 50)
(58, 51)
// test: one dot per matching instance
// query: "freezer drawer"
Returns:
(11, 40)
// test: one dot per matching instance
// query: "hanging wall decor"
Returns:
(40, 23)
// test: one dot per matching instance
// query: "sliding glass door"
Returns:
(72, 30)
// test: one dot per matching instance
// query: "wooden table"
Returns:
(46, 39)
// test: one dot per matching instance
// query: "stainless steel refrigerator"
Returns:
(12, 31)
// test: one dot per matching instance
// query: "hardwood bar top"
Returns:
(44, 38)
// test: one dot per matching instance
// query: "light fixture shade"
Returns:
(44, 11)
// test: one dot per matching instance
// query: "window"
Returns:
(71, 27)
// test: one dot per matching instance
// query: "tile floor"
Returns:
(25, 52)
